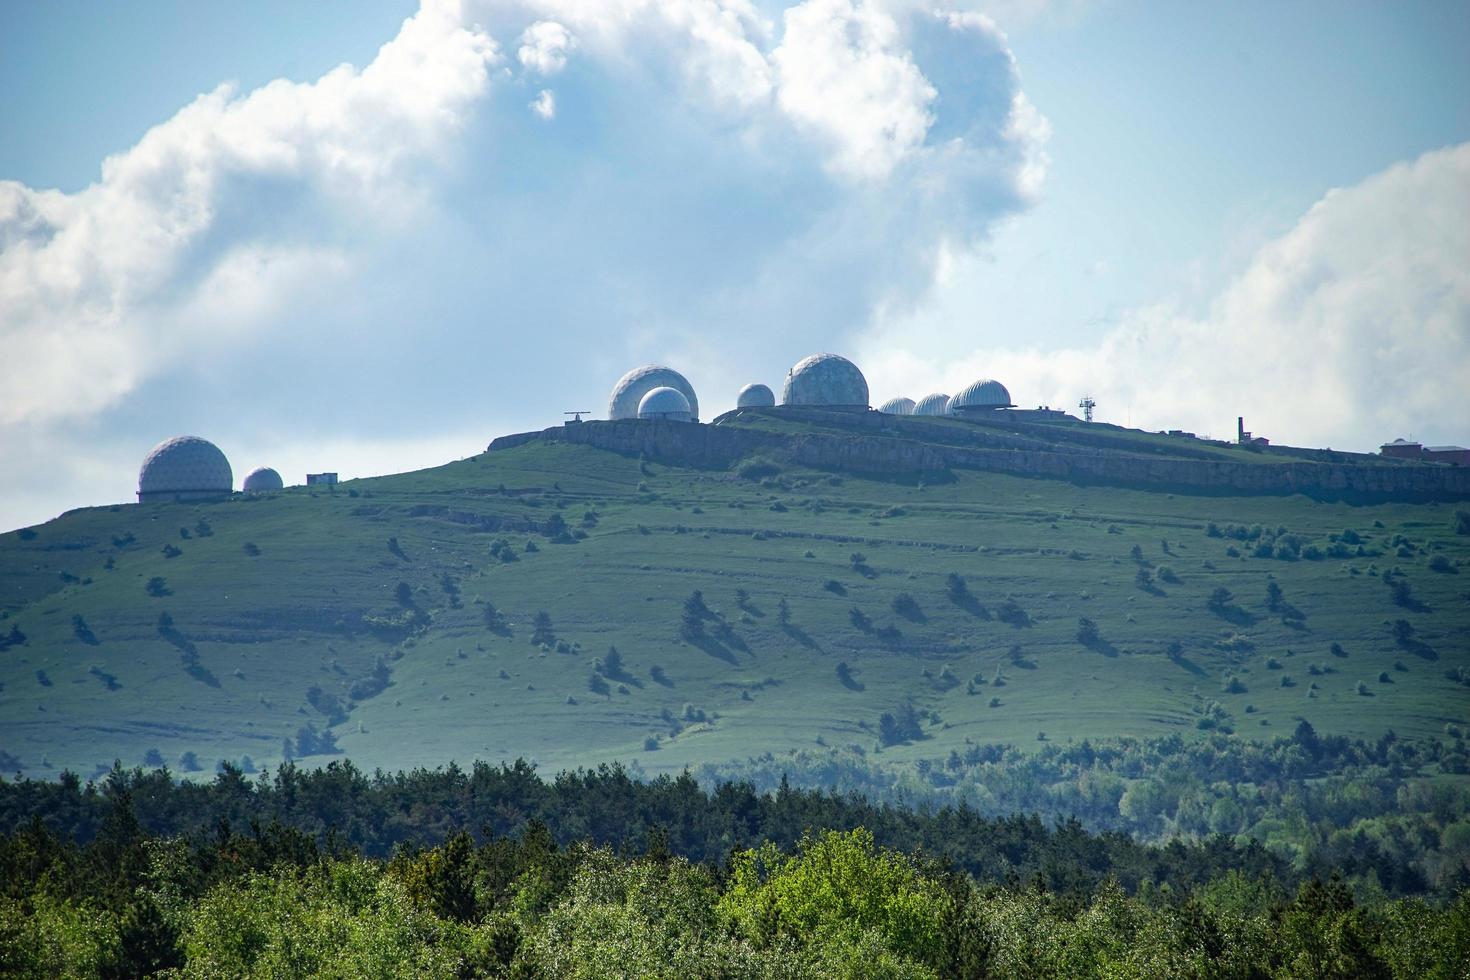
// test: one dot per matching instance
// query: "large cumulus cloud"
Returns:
(1350, 329)
(487, 223)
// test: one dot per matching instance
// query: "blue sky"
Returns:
(386, 269)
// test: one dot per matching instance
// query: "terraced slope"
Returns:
(399, 613)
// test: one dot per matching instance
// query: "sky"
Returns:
(370, 237)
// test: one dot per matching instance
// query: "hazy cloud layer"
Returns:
(1349, 330)
(487, 224)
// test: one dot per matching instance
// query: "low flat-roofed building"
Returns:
(1401, 449)
(1454, 455)
(321, 479)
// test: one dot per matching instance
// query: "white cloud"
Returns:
(544, 105)
(544, 47)
(1350, 329)
(392, 252)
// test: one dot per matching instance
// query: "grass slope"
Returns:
(273, 597)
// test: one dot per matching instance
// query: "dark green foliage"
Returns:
(900, 725)
(1087, 632)
(158, 587)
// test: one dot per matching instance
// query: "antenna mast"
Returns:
(1087, 404)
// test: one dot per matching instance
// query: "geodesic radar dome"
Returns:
(825, 379)
(665, 403)
(184, 467)
(755, 396)
(897, 406)
(631, 388)
(261, 480)
(981, 396)
(934, 404)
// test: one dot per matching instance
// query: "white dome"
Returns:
(755, 396)
(665, 403)
(934, 404)
(631, 388)
(825, 379)
(184, 466)
(897, 406)
(984, 394)
(262, 479)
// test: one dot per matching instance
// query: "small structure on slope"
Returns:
(262, 479)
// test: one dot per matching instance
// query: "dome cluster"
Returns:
(184, 468)
(984, 395)
(628, 393)
(822, 380)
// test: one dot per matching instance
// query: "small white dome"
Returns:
(262, 479)
(897, 406)
(631, 388)
(825, 379)
(934, 404)
(755, 396)
(983, 395)
(665, 403)
(184, 466)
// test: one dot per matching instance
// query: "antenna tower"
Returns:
(1087, 404)
(577, 416)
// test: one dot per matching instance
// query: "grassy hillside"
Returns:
(224, 628)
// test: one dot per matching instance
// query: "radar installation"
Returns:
(577, 416)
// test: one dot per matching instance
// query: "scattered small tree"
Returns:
(541, 631)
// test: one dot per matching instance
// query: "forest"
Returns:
(494, 872)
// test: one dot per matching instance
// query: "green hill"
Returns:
(399, 613)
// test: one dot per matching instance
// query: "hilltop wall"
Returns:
(719, 446)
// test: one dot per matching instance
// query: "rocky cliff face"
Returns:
(873, 449)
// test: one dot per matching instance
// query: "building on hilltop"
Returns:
(826, 381)
(979, 398)
(934, 404)
(666, 404)
(897, 406)
(631, 387)
(1245, 438)
(755, 396)
(1408, 449)
(262, 479)
(321, 479)
(184, 468)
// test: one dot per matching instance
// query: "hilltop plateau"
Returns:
(674, 595)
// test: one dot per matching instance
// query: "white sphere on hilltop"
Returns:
(984, 395)
(665, 403)
(755, 396)
(262, 479)
(631, 388)
(825, 379)
(897, 406)
(935, 404)
(184, 468)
